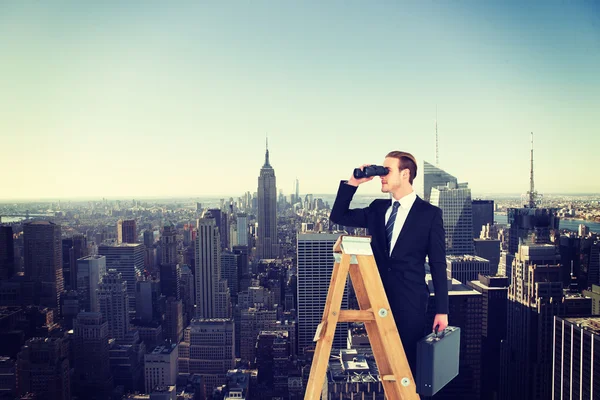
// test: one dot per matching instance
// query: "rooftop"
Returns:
(590, 324)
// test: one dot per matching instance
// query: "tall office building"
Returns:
(43, 369)
(272, 358)
(490, 250)
(169, 267)
(267, 244)
(90, 271)
(160, 367)
(90, 341)
(455, 202)
(43, 260)
(126, 231)
(229, 271)
(466, 312)
(209, 296)
(173, 325)
(576, 358)
(483, 214)
(315, 266)
(114, 303)
(433, 177)
(186, 284)
(535, 296)
(494, 292)
(207, 350)
(242, 230)
(466, 268)
(7, 252)
(128, 259)
(221, 221)
(530, 226)
(73, 249)
(594, 294)
(253, 321)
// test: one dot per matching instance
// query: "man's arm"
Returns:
(437, 262)
(341, 213)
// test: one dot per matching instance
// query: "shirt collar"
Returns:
(406, 201)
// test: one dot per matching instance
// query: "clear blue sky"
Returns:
(173, 99)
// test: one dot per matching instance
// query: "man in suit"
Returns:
(404, 231)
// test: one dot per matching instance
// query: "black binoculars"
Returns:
(370, 170)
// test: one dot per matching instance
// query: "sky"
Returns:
(143, 99)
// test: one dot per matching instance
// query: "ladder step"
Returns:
(390, 378)
(356, 315)
(318, 332)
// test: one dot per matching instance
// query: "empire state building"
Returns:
(267, 243)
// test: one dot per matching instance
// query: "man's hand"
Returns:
(441, 321)
(355, 182)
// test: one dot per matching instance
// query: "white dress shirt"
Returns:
(406, 204)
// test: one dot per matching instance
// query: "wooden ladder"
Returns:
(353, 254)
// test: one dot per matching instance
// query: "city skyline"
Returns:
(102, 93)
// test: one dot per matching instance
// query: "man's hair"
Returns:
(407, 161)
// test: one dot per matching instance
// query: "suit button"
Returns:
(389, 269)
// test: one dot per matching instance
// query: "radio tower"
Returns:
(532, 194)
(437, 150)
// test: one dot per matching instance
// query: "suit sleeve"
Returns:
(437, 262)
(341, 213)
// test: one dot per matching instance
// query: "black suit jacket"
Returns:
(402, 273)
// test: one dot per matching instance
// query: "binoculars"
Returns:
(370, 170)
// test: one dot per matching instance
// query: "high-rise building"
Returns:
(433, 177)
(173, 326)
(221, 222)
(7, 252)
(160, 367)
(90, 271)
(147, 294)
(8, 377)
(351, 375)
(73, 249)
(267, 244)
(594, 294)
(576, 358)
(315, 266)
(494, 292)
(169, 267)
(114, 303)
(126, 231)
(148, 238)
(253, 321)
(207, 350)
(90, 341)
(128, 259)
(483, 214)
(455, 202)
(43, 260)
(490, 250)
(242, 230)
(535, 296)
(530, 226)
(272, 358)
(466, 268)
(465, 311)
(208, 267)
(43, 368)
(186, 284)
(229, 271)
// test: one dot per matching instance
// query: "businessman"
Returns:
(404, 231)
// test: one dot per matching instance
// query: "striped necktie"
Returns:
(389, 227)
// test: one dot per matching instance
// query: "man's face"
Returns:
(392, 181)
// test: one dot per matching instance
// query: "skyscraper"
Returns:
(267, 243)
(466, 268)
(73, 249)
(43, 368)
(160, 366)
(128, 259)
(208, 267)
(207, 350)
(173, 325)
(90, 271)
(455, 202)
(43, 260)
(114, 304)
(315, 266)
(126, 231)
(92, 373)
(242, 230)
(169, 268)
(535, 296)
(483, 214)
(186, 285)
(7, 252)
(576, 358)
(229, 271)
(433, 177)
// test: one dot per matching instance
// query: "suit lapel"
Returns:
(410, 224)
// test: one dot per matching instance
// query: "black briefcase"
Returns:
(437, 360)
